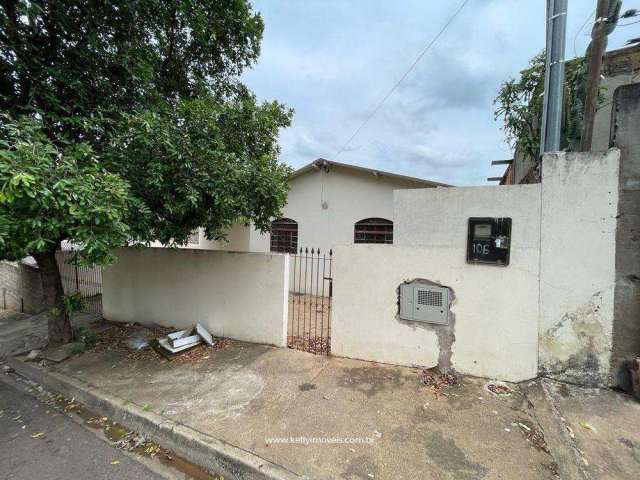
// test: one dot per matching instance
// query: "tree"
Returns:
(201, 163)
(142, 101)
(520, 102)
(51, 193)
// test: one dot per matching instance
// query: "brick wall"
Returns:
(20, 287)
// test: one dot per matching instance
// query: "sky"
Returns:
(332, 61)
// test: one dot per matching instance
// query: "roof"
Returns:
(323, 163)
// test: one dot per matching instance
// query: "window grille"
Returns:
(373, 230)
(284, 235)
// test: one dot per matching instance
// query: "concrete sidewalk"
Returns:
(20, 332)
(288, 407)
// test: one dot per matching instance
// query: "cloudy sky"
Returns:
(334, 60)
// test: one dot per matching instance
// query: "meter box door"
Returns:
(420, 302)
(489, 241)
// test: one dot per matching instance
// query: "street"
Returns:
(37, 442)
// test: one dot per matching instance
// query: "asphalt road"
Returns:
(66, 451)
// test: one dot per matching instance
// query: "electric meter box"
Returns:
(489, 241)
(420, 302)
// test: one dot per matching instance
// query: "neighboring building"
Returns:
(620, 67)
(329, 204)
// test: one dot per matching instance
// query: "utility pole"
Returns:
(596, 52)
(554, 76)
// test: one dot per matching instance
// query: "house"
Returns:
(329, 204)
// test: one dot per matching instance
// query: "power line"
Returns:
(575, 51)
(397, 84)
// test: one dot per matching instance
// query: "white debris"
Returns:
(182, 340)
(204, 333)
(33, 355)
(164, 343)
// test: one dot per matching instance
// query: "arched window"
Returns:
(284, 235)
(373, 230)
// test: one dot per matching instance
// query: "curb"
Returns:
(212, 454)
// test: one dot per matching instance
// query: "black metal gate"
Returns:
(85, 280)
(310, 294)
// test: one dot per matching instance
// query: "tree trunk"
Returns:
(59, 322)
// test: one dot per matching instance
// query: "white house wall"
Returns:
(495, 312)
(349, 195)
(237, 295)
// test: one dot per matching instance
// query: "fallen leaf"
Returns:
(37, 435)
(115, 462)
(588, 427)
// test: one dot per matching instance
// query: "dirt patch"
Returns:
(438, 382)
(499, 389)
(308, 326)
(317, 345)
(202, 352)
(117, 338)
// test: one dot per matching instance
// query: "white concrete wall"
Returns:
(237, 240)
(549, 311)
(349, 195)
(579, 209)
(496, 308)
(237, 295)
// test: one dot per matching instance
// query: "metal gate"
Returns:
(310, 295)
(86, 280)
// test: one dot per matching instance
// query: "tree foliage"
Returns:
(52, 193)
(152, 87)
(202, 164)
(73, 59)
(126, 121)
(519, 103)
